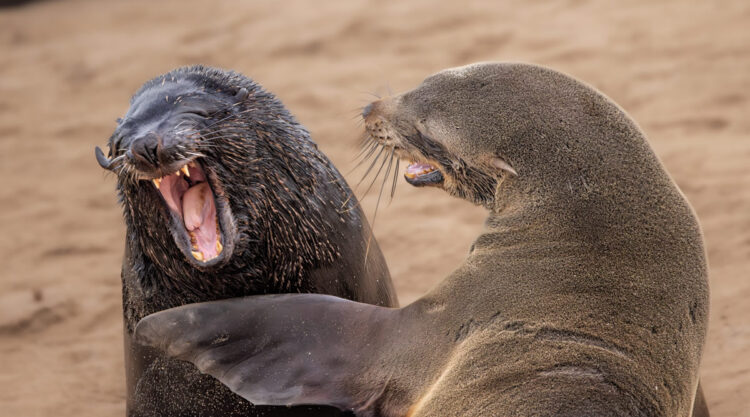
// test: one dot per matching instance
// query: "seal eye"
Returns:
(242, 94)
(198, 112)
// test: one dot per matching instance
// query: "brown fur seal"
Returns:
(225, 195)
(585, 295)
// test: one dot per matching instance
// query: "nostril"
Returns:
(145, 149)
(367, 110)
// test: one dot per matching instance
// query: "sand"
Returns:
(68, 68)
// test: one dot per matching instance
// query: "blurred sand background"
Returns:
(68, 68)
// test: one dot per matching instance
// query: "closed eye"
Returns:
(202, 113)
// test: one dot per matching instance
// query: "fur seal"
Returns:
(225, 195)
(586, 294)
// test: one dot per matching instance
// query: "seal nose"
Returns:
(367, 110)
(372, 110)
(145, 151)
(380, 108)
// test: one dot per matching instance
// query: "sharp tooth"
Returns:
(197, 255)
(185, 170)
(219, 247)
(178, 173)
(157, 182)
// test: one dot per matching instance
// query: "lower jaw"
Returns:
(223, 241)
(426, 184)
(432, 179)
(199, 255)
(195, 256)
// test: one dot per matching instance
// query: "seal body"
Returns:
(586, 294)
(225, 195)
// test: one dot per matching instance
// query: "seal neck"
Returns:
(616, 210)
(521, 227)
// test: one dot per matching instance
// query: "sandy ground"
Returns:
(68, 68)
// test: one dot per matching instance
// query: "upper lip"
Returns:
(183, 169)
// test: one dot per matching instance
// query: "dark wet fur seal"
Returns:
(225, 195)
(586, 294)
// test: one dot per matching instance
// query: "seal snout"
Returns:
(155, 153)
(380, 109)
(163, 155)
(146, 152)
(420, 172)
(179, 175)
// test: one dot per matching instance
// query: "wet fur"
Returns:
(294, 228)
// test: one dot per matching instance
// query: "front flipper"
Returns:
(279, 349)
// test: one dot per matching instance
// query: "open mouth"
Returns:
(192, 203)
(421, 174)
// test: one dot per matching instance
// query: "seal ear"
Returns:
(285, 349)
(501, 164)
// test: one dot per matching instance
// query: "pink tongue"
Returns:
(172, 187)
(199, 213)
(418, 168)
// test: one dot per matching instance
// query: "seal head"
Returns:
(159, 144)
(214, 173)
(224, 195)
